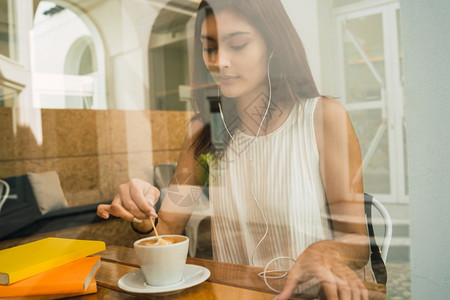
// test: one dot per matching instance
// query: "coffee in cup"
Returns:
(161, 241)
(162, 262)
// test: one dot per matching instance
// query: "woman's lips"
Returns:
(227, 79)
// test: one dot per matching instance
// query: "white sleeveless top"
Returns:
(283, 166)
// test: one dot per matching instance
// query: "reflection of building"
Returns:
(135, 55)
(67, 59)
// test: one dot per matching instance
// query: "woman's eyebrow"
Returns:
(205, 37)
(226, 37)
(233, 34)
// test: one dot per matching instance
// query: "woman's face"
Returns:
(235, 54)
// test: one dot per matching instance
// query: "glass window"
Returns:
(169, 58)
(8, 96)
(339, 3)
(371, 85)
(119, 89)
(374, 144)
(401, 81)
(372, 82)
(364, 69)
(364, 59)
(8, 29)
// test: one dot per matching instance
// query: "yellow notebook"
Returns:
(26, 260)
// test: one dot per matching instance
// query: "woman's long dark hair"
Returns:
(290, 73)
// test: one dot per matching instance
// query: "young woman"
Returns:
(284, 164)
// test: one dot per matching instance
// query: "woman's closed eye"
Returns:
(210, 50)
(239, 47)
(236, 47)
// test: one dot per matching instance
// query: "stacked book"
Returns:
(50, 268)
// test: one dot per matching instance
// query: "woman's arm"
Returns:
(333, 262)
(137, 198)
(185, 188)
(340, 168)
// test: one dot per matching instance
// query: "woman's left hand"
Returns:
(321, 264)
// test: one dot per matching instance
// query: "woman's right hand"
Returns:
(136, 199)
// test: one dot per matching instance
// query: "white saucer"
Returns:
(135, 282)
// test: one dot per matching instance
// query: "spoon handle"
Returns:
(154, 228)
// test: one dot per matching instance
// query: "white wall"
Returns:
(52, 41)
(426, 41)
(304, 16)
(125, 29)
(53, 47)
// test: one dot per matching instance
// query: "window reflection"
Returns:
(371, 87)
(169, 56)
(65, 64)
(364, 58)
(8, 35)
(338, 3)
(8, 96)
(147, 54)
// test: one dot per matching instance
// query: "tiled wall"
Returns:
(92, 151)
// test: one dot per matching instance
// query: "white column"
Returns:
(426, 41)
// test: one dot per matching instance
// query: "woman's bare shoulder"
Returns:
(329, 109)
(331, 120)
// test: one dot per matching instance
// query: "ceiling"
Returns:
(174, 15)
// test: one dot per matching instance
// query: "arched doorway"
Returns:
(67, 58)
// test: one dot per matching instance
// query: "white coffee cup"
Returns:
(162, 265)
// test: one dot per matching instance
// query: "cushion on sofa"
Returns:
(47, 191)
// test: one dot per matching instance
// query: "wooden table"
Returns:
(227, 281)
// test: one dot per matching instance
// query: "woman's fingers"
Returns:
(354, 288)
(124, 200)
(362, 290)
(288, 289)
(117, 209)
(103, 211)
(330, 291)
(343, 290)
(135, 200)
(145, 196)
(354, 284)
(139, 197)
(296, 276)
(337, 282)
(329, 284)
(344, 284)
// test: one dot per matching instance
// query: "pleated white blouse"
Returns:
(282, 168)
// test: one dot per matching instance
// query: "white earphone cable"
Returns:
(265, 113)
(265, 272)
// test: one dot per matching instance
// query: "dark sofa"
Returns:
(21, 217)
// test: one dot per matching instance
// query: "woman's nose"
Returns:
(222, 59)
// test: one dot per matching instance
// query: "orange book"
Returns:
(91, 289)
(24, 261)
(73, 277)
